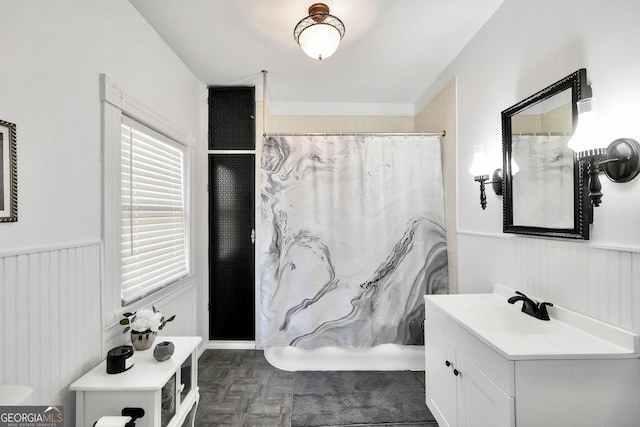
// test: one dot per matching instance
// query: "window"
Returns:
(148, 207)
(153, 214)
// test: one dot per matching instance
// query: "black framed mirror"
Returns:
(543, 181)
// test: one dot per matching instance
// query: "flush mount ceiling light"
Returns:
(319, 34)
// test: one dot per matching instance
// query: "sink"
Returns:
(517, 335)
(504, 318)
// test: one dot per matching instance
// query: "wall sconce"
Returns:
(620, 161)
(480, 171)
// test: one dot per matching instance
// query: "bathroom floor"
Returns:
(240, 388)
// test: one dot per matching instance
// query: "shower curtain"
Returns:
(353, 237)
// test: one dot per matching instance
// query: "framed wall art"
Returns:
(8, 173)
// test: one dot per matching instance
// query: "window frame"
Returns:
(115, 104)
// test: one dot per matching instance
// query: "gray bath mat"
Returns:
(340, 398)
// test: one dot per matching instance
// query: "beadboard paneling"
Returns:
(50, 320)
(594, 281)
(635, 292)
(51, 331)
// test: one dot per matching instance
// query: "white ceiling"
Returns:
(392, 51)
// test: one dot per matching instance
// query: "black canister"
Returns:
(119, 359)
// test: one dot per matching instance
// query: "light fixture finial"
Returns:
(318, 11)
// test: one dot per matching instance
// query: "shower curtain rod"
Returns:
(541, 134)
(442, 133)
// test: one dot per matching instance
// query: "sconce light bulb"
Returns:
(479, 166)
(514, 167)
(586, 139)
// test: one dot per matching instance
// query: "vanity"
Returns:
(489, 364)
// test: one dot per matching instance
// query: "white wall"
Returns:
(523, 48)
(52, 55)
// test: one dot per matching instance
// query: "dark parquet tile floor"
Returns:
(240, 388)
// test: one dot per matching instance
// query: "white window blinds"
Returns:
(153, 217)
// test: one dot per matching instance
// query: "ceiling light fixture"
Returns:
(320, 33)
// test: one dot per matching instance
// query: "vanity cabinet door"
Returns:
(440, 382)
(480, 401)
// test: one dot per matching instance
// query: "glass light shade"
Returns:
(320, 41)
(479, 166)
(587, 135)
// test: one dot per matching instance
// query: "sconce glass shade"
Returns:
(586, 140)
(479, 167)
(514, 167)
(320, 33)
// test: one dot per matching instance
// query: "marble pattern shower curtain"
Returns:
(353, 237)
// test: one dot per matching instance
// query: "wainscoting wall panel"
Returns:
(595, 281)
(635, 293)
(51, 329)
(50, 320)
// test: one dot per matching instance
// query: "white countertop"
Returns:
(519, 336)
(145, 374)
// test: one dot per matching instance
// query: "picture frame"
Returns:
(8, 173)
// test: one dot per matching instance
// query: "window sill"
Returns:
(158, 299)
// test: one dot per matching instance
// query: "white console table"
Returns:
(167, 391)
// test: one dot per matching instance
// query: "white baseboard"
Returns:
(227, 345)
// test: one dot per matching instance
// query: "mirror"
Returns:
(543, 180)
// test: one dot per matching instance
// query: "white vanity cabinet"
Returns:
(167, 391)
(490, 365)
(458, 393)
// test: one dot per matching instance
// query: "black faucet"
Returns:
(532, 308)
